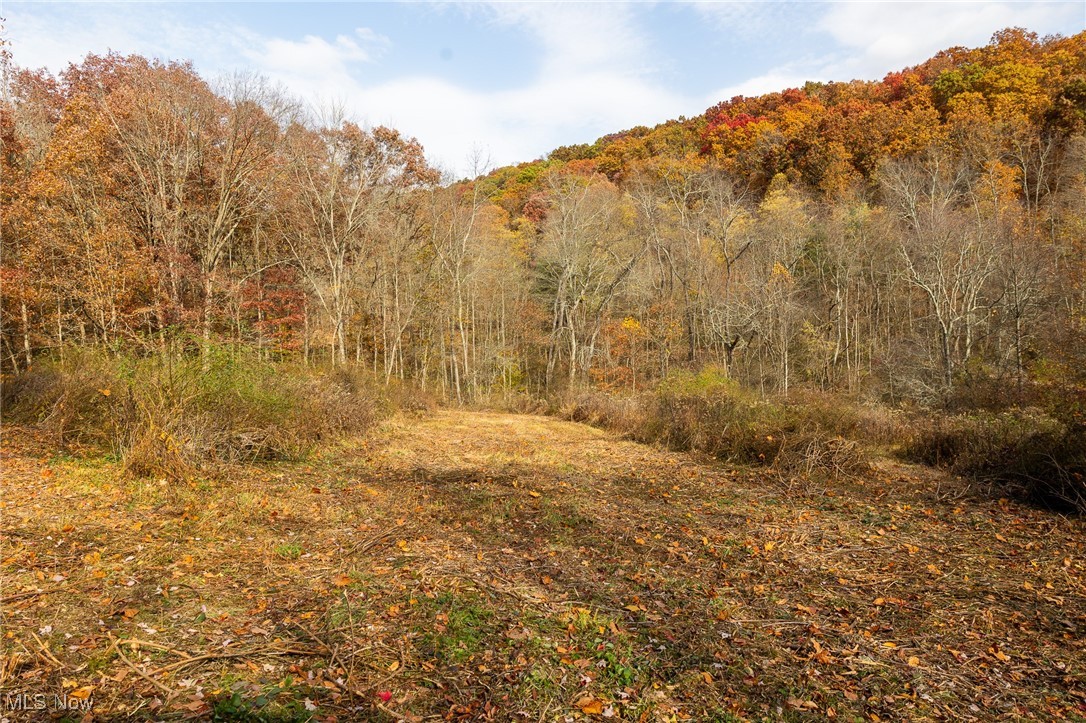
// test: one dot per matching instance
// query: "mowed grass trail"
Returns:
(484, 566)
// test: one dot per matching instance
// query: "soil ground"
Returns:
(483, 566)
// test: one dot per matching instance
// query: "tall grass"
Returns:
(170, 417)
(709, 413)
(1032, 453)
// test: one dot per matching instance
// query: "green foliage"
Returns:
(263, 708)
(464, 625)
(167, 417)
(710, 379)
(289, 551)
(955, 81)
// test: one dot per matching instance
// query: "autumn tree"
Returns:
(344, 182)
(588, 250)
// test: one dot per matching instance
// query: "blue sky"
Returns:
(516, 79)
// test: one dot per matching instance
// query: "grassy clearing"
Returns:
(473, 566)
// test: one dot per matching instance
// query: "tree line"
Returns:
(914, 238)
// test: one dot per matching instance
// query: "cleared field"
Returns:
(469, 565)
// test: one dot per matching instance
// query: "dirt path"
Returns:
(471, 565)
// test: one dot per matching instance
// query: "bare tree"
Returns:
(947, 254)
(344, 182)
(588, 251)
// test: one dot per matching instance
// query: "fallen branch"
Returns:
(165, 689)
(45, 650)
(371, 542)
(30, 594)
(236, 654)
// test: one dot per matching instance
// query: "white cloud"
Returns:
(886, 36)
(312, 66)
(872, 39)
(580, 37)
(592, 66)
(519, 124)
(751, 19)
(45, 39)
(594, 76)
(775, 80)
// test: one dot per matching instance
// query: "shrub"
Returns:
(167, 417)
(709, 413)
(622, 414)
(1023, 450)
(407, 396)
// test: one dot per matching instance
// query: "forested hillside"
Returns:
(901, 239)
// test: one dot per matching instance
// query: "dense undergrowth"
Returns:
(169, 417)
(1037, 452)
(1027, 452)
(809, 435)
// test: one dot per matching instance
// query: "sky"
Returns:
(502, 82)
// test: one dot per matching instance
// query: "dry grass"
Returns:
(470, 566)
(809, 435)
(177, 417)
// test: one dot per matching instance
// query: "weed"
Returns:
(460, 629)
(166, 417)
(289, 551)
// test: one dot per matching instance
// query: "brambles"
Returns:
(707, 412)
(169, 418)
(1021, 450)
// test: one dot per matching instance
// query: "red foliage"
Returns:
(535, 210)
(276, 306)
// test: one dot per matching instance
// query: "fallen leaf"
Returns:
(590, 706)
